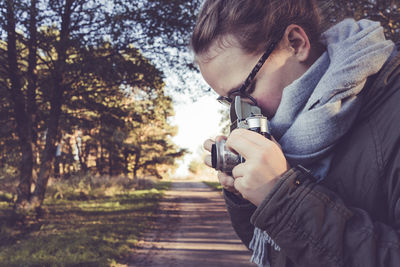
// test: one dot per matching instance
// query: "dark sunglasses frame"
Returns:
(242, 89)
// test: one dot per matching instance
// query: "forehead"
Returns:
(225, 67)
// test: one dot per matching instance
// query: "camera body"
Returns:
(242, 115)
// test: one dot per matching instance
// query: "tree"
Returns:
(62, 58)
(20, 111)
(385, 11)
(45, 44)
(153, 146)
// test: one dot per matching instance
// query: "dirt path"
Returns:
(193, 230)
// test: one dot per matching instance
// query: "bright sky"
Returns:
(197, 122)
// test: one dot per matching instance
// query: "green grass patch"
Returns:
(97, 231)
(214, 185)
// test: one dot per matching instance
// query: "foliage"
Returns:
(96, 232)
(213, 185)
(73, 79)
(225, 122)
(385, 11)
(195, 166)
(75, 87)
(87, 186)
(198, 169)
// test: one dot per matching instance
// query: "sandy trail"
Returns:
(193, 230)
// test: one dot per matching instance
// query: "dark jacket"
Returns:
(352, 217)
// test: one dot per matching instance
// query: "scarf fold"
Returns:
(317, 109)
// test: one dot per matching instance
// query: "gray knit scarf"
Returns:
(317, 109)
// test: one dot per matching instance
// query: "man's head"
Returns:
(231, 35)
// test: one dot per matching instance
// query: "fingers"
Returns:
(246, 142)
(227, 182)
(237, 184)
(209, 142)
(225, 179)
(239, 171)
(251, 136)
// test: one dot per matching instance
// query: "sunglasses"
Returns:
(227, 100)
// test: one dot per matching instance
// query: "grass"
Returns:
(214, 185)
(99, 229)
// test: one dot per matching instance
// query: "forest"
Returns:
(78, 95)
(82, 87)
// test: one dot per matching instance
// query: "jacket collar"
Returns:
(381, 85)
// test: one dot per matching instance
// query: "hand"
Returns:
(225, 180)
(264, 164)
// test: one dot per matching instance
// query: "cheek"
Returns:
(269, 101)
(269, 93)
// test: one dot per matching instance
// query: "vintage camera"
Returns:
(242, 115)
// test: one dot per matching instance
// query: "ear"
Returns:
(297, 40)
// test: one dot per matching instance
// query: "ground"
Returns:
(193, 229)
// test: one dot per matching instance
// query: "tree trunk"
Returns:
(126, 163)
(32, 77)
(101, 165)
(22, 119)
(81, 155)
(110, 165)
(56, 103)
(136, 167)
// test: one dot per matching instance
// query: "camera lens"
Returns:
(222, 158)
(214, 156)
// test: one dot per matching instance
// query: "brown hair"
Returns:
(253, 23)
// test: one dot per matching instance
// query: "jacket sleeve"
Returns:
(314, 227)
(240, 212)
